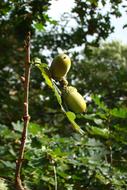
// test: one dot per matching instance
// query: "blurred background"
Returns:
(93, 34)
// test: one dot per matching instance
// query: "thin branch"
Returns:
(26, 116)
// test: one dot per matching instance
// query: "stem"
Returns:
(26, 117)
(55, 175)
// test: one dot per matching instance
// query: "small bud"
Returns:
(23, 79)
(25, 104)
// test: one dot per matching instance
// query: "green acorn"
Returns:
(60, 66)
(74, 99)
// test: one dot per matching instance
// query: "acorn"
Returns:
(73, 99)
(60, 66)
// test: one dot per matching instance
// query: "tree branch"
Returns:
(26, 116)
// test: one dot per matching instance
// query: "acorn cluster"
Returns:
(59, 68)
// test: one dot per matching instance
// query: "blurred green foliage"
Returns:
(55, 155)
(96, 160)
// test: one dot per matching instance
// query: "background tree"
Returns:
(19, 17)
(88, 23)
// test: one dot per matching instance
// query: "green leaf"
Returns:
(95, 2)
(34, 128)
(57, 93)
(45, 73)
(71, 117)
(8, 164)
(100, 103)
(101, 178)
(36, 61)
(98, 121)
(119, 112)
(50, 20)
(104, 133)
(39, 26)
(86, 116)
(17, 126)
(92, 117)
(3, 184)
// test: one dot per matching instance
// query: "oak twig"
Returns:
(26, 116)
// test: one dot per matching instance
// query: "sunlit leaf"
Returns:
(98, 121)
(17, 126)
(101, 178)
(71, 117)
(57, 94)
(45, 74)
(104, 133)
(39, 26)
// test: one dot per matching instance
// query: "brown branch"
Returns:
(26, 117)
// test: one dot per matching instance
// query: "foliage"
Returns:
(3, 185)
(88, 23)
(96, 160)
(19, 17)
(103, 72)
(56, 158)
